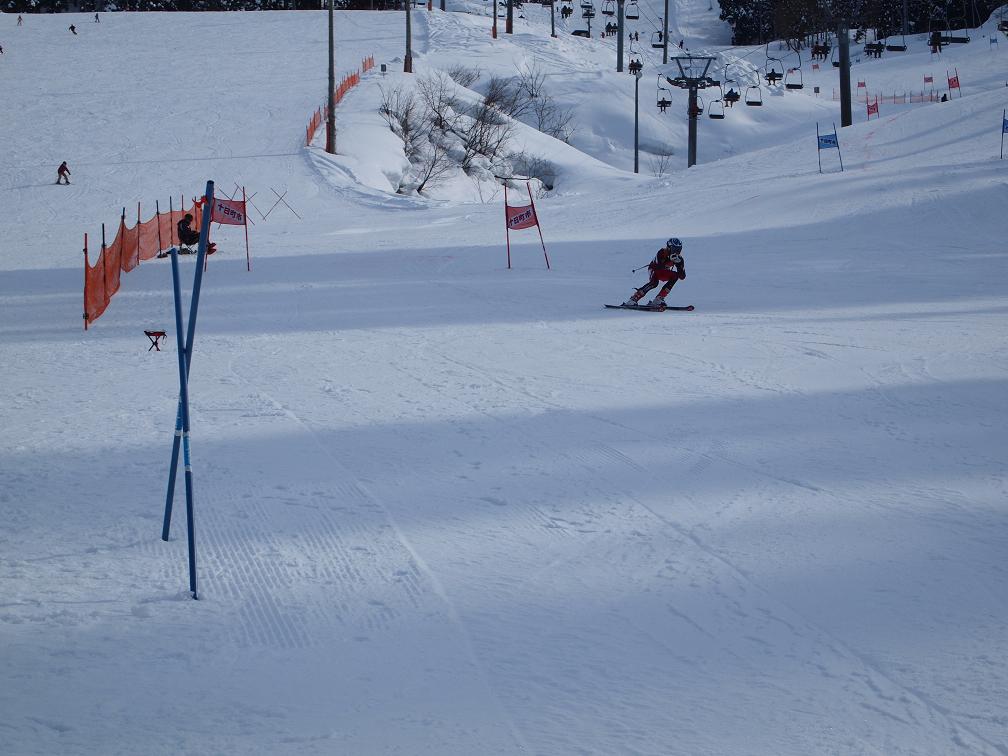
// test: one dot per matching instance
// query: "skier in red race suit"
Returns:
(667, 266)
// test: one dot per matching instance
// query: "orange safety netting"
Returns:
(348, 82)
(130, 247)
(896, 98)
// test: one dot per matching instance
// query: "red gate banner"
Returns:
(231, 212)
(520, 217)
(517, 217)
(873, 108)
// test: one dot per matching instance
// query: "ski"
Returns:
(182, 251)
(646, 308)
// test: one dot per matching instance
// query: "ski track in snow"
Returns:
(588, 462)
(413, 570)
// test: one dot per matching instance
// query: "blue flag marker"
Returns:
(830, 141)
(827, 142)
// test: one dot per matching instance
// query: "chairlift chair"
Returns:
(730, 89)
(632, 12)
(732, 96)
(896, 46)
(716, 109)
(773, 71)
(960, 25)
(656, 40)
(636, 59)
(609, 8)
(664, 96)
(754, 95)
(793, 79)
(586, 4)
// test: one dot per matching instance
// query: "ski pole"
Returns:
(641, 267)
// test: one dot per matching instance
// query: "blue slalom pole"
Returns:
(184, 404)
(839, 154)
(194, 305)
(818, 145)
(185, 359)
(166, 527)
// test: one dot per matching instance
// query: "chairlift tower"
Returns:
(693, 77)
(408, 58)
(664, 54)
(619, 35)
(843, 45)
(330, 141)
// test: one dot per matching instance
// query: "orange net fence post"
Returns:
(129, 254)
(149, 240)
(112, 262)
(131, 246)
(346, 83)
(102, 280)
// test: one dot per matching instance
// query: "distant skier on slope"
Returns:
(73, 29)
(62, 173)
(667, 266)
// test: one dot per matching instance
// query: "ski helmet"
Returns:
(675, 245)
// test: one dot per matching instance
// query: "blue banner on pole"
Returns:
(1004, 125)
(828, 141)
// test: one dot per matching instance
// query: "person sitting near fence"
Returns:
(189, 238)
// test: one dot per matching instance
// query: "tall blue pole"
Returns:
(177, 441)
(184, 405)
(185, 360)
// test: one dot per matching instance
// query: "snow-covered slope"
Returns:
(444, 507)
